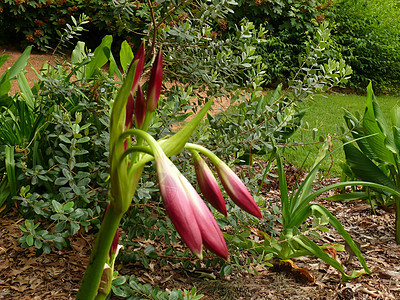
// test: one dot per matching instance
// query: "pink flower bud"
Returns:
(236, 190)
(115, 243)
(208, 184)
(154, 88)
(140, 108)
(178, 206)
(189, 214)
(130, 105)
(139, 57)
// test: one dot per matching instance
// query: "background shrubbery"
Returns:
(365, 34)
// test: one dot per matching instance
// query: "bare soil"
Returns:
(57, 275)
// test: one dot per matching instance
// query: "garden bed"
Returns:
(57, 275)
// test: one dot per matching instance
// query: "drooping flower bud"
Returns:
(154, 87)
(187, 211)
(208, 184)
(178, 206)
(140, 108)
(236, 190)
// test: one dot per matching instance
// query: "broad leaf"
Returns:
(26, 91)
(378, 141)
(364, 168)
(125, 55)
(99, 58)
(20, 64)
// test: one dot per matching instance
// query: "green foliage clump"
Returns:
(368, 36)
(289, 26)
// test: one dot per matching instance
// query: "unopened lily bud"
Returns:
(154, 87)
(208, 184)
(139, 57)
(130, 106)
(140, 108)
(178, 206)
(115, 244)
(236, 190)
(187, 211)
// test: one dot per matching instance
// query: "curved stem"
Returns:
(214, 159)
(136, 149)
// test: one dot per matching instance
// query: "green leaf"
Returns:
(77, 57)
(20, 64)
(57, 206)
(227, 270)
(10, 168)
(60, 227)
(283, 189)
(29, 240)
(364, 168)
(125, 55)
(339, 227)
(99, 58)
(26, 91)
(348, 196)
(61, 181)
(5, 84)
(4, 58)
(148, 250)
(38, 243)
(379, 132)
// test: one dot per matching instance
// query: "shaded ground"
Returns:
(57, 275)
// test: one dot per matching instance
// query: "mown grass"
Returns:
(325, 117)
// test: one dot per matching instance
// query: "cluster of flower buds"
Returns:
(140, 108)
(188, 212)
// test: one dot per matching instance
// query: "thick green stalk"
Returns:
(397, 232)
(91, 279)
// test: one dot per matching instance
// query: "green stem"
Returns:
(135, 149)
(214, 159)
(155, 147)
(397, 233)
(91, 279)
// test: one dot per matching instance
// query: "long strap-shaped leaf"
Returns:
(365, 169)
(339, 227)
(300, 214)
(284, 191)
(375, 123)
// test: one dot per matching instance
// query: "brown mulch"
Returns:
(57, 275)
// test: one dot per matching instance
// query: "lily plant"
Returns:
(131, 147)
(297, 206)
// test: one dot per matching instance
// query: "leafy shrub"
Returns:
(368, 36)
(289, 26)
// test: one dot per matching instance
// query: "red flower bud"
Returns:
(154, 88)
(139, 57)
(130, 105)
(208, 184)
(189, 214)
(237, 191)
(140, 108)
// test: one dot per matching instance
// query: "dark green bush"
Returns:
(290, 25)
(41, 22)
(368, 36)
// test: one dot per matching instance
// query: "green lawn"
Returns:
(325, 116)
